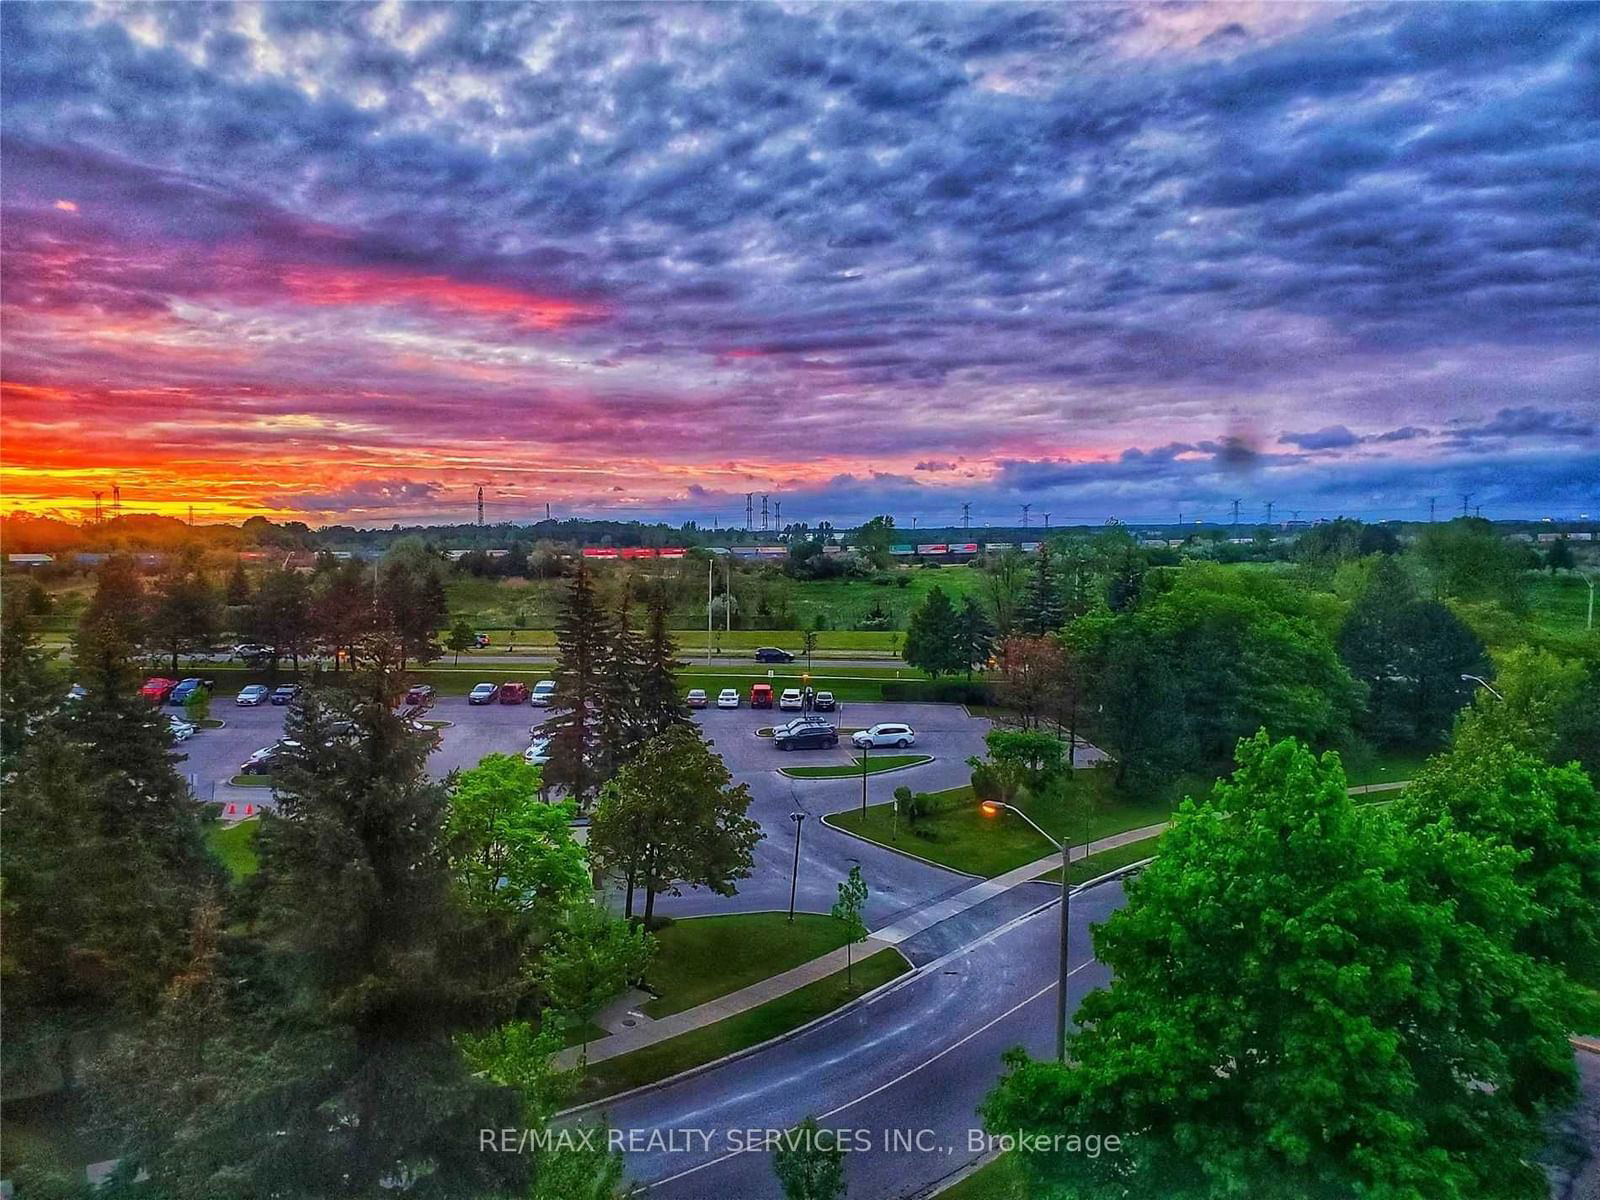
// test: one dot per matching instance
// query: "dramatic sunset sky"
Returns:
(348, 262)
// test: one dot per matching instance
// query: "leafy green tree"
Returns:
(1469, 560)
(873, 540)
(933, 636)
(461, 637)
(197, 706)
(185, 613)
(1036, 754)
(583, 640)
(283, 614)
(1411, 654)
(848, 910)
(974, 637)
(809, 1163)
(1309, 1000)
(590, 960)
(1043, 611)
(344, 607)
(673, 818)
(1030, 678)
(411, 598)
(808, 643)
(1005, 578)
(510, 852)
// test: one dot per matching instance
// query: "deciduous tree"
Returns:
(590, 960)
(848, 910)
(809, 1163)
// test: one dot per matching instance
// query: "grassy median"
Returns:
(700, 1046)
(701, 958)
(875, 766)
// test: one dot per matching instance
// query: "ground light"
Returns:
(994, 809)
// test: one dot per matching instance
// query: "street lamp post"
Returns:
(799, 819)
(1486, 684)
(866, 753)
(993, 808)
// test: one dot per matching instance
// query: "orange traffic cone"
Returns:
(232, 808)
(249, 810)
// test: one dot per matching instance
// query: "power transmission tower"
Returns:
(748, 510)
(966, 516)
(777, 514)
(1047, 520)
(763, 512)
(97, 496)
(191, 514)
(1432, 501)
(480, 505)
(1025, 509)
(1236, 515)
(1269, 512)
(116, 501)
(547, 510)
(1466, 499)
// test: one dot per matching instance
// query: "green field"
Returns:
(235, 846)
(1002, 1179)
(962, 838)
(739, 1032)
(701, 958)
(875, 766)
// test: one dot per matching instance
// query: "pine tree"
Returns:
(583, 639)
(28, 690)
(185, 612)
(975, 636)
(236, 592)
(1042, 609)
(620, 721)
(933, 636)
(661, 704)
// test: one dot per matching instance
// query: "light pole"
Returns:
(799, 819)
(1589, 620)
(866, 753)
(993, 808)
(1486, 684)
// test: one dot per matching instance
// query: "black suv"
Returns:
(805, 735)
(773, 654)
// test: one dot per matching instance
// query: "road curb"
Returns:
(784, 771)
(690, 1072)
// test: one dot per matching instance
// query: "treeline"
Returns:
(400, 970)
(1357, 644)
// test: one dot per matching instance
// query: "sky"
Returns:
(351, 262)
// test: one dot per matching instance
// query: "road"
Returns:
(913, 1062)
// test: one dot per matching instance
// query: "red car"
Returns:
(156, 689)
(422, 693)
(761, 695)
(513, 693)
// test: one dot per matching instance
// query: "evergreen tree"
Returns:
(975, 636)
(344, 607)
(933, 637)
(1560, 556)
(184, 611)
(236, 592)
(583, 640)
(28, 690)
(672, 818)
(283, 614)
(411, 598)
(1042, 609)
(620, 720)
(661, 703)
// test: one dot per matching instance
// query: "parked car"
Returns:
(537, 753)
(761, 695)
(886, 734)
(286, 693)
(791, 700)
(76, 693)
(824, 702)
(156, 689)
(773, 654)
(483, 693)
(268, 758)
(186, 688)
(250, 652)
(253, 695)
(480, 640)
(696, 698)
(805, 735)
(182, 731)
(729, 698)
(513, 693)
(544, 693)
(422, 693)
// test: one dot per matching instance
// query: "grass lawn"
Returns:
(701, 958)
(882, 762)
(1389, 765)
(964, 839)
(1002, 1179)
(254, 781)
(737, 1032)
(235, 846)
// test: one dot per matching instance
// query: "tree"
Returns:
(673, 818)
(933, 636)
(344, 606)
(1036, 753)
(848, 910)
(1469, 560)
(184, 612)
(1559, 557)
(28, 693)
(660, 702)
(591, 959)
(583, 637)
(809, 1163)
(1411, 654)
(808, 644)
(974, 637)
(411, 598)
(461, 637)
(509, 851)
(1309, 999)
(1042, 610)
(873, 540)
(619, 720)
(236, 592)
(283, 614)
(1004, 576)
(1030, 673)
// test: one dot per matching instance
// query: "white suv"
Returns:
(790, 700)
(543, 692)
(884, 735)
(728, 698)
